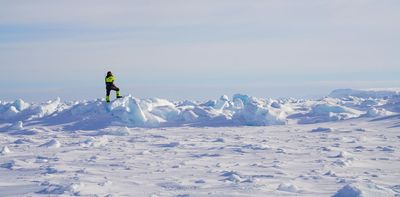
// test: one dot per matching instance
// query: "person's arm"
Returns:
(112, 80)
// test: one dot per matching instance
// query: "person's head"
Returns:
(109, 73)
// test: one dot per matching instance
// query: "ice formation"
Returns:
(240, 110)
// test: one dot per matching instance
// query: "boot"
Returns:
(119, 95)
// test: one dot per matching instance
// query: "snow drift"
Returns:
(240, 110)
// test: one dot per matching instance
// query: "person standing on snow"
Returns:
(111, 86)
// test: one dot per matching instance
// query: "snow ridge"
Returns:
(240, 110)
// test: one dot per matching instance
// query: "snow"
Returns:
(239, 146)
(241, 110)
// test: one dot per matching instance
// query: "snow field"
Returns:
(342, 145)
(281, 160)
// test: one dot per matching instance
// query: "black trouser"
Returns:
(109, 88)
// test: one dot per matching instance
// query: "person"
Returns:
(111, 86)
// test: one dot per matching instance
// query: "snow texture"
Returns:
(346, 144)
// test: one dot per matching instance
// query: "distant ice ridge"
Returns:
(368, 93)
(328, 109)
(240, 110)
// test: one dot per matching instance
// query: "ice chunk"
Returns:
(242, 98)
(56, 189)
(287, 187)
(326, 111)
(321, 129)
(375, 112)
(129, 111)
(51, 144)
(222, 103)
(189, 116)
(276, 105)
(5, 150)
(232, 176)
(9, 165)
(166, 113)
(122, 131)
(20, 105)
(349, 191)
(22, 141)
(209, 103)
(18, 125)
(45, 109)
(10, 113)
(254, 113)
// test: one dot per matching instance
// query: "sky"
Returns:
(187, 49)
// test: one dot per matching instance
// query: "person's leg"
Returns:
(108, 95)
(118, 94)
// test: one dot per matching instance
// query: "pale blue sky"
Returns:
(197, 49)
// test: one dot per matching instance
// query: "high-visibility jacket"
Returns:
(110, 80)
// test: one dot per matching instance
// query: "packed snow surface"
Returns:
(346, 144)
